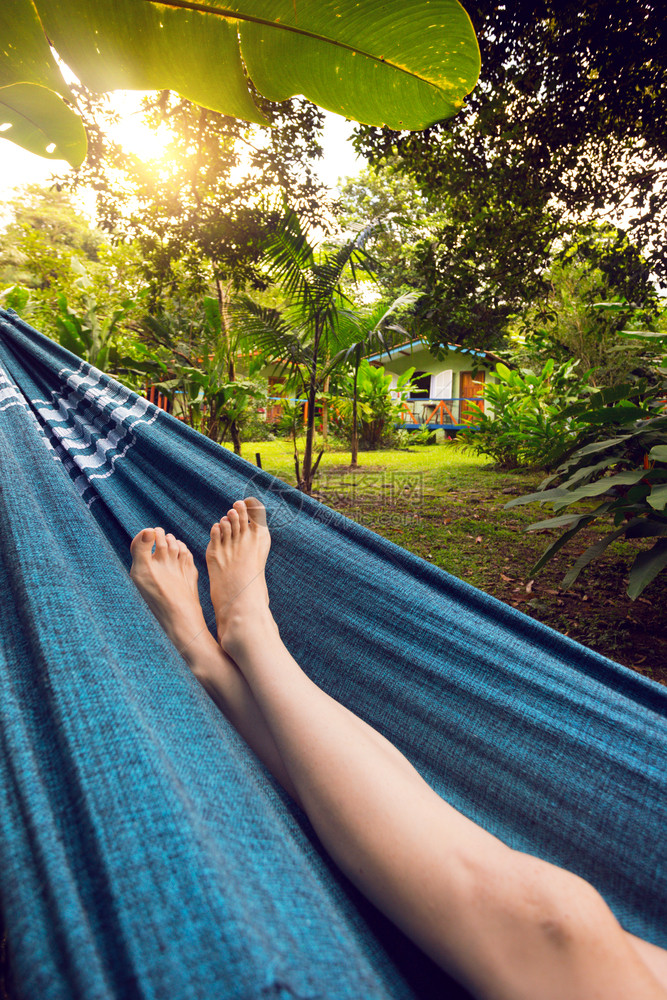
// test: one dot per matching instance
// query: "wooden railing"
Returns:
(452, 412)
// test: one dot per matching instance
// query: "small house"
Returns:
(444, 386)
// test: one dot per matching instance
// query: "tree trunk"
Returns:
(223, 300)
(234, 434)
(325, 412)
(355, 441)
(307, 472)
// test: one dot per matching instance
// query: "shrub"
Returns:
(378, 404)
(626, 471)
(522, 428)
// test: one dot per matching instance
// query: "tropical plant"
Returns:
(369, 405)
(406, 66)
(191, 360)
(304, 339)
(521, 428)
(88, 334)
(374, 329)
(627, 471)
(423, 435)
(570, 321)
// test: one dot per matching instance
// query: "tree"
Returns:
(599, 266)
(305, 337)
(52, 250)
(459, 251)
(383, 67)
(371, 331)
(566, 122)
(199, 213)
(390, 203)
(45, 230)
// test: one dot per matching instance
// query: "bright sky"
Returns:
(18, 167)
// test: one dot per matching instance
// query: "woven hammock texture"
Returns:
(146, 853)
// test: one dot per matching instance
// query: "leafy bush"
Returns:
(521, 429)
(87, 334)
(255, 428)
(424, 435)
(378, 404)
(626, 471)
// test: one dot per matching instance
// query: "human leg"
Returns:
(165, 574)
(505, 924)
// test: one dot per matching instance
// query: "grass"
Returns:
(447, 505)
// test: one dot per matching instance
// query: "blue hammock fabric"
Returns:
(146, 853)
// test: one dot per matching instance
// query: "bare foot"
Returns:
(236, 557)
(167, 580)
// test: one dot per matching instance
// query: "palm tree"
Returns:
(305, 338)
(374, 328)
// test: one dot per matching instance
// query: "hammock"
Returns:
(146, 853)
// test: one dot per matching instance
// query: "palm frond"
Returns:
(290, 258)
(269, 332)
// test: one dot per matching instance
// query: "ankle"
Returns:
(200, 651)
(242, 631)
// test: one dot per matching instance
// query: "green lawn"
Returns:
(447, 506)
(452, 461)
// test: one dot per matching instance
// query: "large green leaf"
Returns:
(25, 55)
(130, 45)
(38, 120)
(590, 554)
(658, 497)
(33, 113)
(646, 567)
(405, 65)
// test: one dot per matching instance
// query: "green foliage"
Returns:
(304, 338)
(400, 218)
(567, 122)
(574, 319)
(15, 297)
(521, 429)
(87, 334)
(199, 213)
(620, 459)
(378, 403)
(50, 249)
(423, 435)
(380, 68)
(188, 359)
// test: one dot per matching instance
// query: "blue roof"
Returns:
(422, 343)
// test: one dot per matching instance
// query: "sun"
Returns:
(131, 131)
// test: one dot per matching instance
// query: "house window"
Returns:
(421, 385)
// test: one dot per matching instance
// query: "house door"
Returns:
(472, 386)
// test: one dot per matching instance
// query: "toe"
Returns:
(161, 546)
(142, 546)
(225, 529)
(215, 535)
(172, 544)
(240, 508)
(256, 511)
(234, 521)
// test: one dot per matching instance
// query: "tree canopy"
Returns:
(200, 212)
(566, 123)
